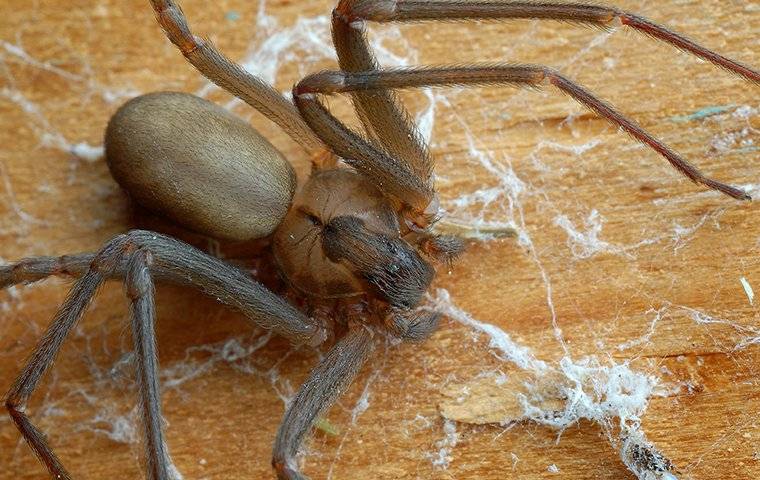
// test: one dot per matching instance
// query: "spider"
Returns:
(355, 243)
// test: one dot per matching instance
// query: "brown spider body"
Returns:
(197, 164)
(191, 161)
(356, 241)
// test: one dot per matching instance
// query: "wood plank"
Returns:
(637, 266)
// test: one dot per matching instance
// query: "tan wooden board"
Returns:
(635, 263)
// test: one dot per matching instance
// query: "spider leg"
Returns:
(182, 264)
(44, 354)
(390, 174)
(385, 119)
(325, 384)
(136, 256)
(345, 142)
(139, 286)
(352, 13)
(33, 269)
(412, 326)
(233, 78)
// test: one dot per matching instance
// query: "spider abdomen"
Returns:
(192, 161)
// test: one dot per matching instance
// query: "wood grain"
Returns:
(661, 244)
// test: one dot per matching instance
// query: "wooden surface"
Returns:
(635, 263)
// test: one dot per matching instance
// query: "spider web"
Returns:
(606, 384)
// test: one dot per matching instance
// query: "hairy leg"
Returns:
(390, 174)
(354, 12)
(180, 263)
(233, 78)
(412, 326)
(33, 269)
(139, 285)
(388, 123)
(134, 256)
(324, 385)
(46, 350)
(344, 140)
(385, 119)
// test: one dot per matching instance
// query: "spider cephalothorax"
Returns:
(355, 242)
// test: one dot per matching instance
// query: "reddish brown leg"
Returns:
(233, 78)
(44, 354)
(324, 385)
(390, 174)
(353, 12)
(138, 257)
(384, 118)
(387, 122)
(345, 142)
(177, 262)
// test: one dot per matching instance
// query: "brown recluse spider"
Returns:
(356, 238)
